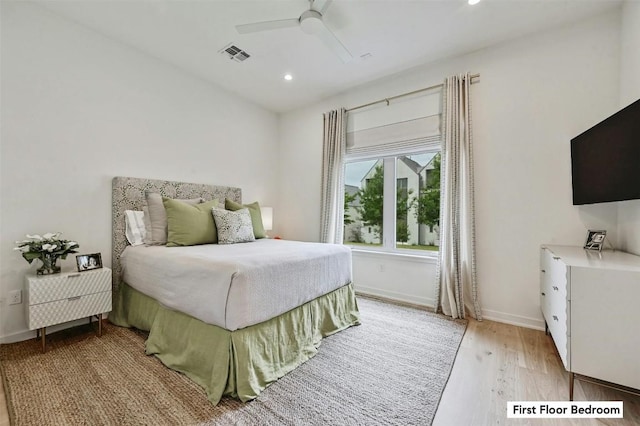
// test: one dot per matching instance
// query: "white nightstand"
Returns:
(67, 296)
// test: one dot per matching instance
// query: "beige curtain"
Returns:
(457, 286)
(332, 208)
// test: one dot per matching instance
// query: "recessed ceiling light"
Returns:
(288, 77)
(472, 2)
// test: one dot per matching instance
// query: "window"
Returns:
(392, 203)
(392, 176)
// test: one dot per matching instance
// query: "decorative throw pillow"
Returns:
(233, 226)
(158, 216)
(134, 227)
(189, 224)
(256, 215)
(147, 225)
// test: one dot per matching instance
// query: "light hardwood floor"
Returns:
(497, 363)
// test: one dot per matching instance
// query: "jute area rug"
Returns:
(391, 370)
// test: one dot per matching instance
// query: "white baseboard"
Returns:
(401, 297)
(517, 320)
(20, 336)
(520, 321)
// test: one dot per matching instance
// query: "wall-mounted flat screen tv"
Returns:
(605, 160)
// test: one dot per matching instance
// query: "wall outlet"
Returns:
(15, 297)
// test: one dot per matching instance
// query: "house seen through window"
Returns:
(393, 203)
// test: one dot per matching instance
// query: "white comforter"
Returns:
(237, 285)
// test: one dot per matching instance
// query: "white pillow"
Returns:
(233, 227)
(134, 227)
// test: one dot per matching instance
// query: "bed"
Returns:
(237, 325)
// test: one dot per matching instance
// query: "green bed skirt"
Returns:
(238, 363)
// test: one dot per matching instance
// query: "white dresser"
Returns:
(590, 303)
(54, 299)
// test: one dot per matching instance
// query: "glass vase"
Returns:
(49, 264)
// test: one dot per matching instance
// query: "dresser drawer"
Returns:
(557, 318)
(557, 276)
(69, 309)
(545, 296)
(559, 332)
(545, 304)
(554, 301)
(43, 289)
(545, 281)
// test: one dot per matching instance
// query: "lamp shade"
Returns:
(267, 218)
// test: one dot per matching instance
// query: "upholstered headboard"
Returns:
(128, 194)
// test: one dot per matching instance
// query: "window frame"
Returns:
(389, 161)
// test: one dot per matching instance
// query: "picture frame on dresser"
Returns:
(88, 262)
(595, 240)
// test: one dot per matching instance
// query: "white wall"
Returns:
(629, 211)
(534, 95)
(372, 272)
(79, 108)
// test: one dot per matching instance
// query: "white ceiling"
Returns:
(398, 34)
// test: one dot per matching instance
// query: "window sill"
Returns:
(430, 257)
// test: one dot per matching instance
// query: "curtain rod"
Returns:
(387, 100)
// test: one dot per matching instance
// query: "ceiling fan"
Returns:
(310, 22)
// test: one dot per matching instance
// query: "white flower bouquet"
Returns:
(48, 248)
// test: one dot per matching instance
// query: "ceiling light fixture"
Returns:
(288, 77)
(472, 2)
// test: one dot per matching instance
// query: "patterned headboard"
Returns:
(128, 194)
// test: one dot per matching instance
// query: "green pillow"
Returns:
(190, 224)
(254, 211)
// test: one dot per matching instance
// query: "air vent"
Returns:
(235, 53)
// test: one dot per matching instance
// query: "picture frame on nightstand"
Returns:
(88, 262)
(595, 240)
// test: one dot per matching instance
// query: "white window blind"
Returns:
(404, 127)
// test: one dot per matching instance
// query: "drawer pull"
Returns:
(73, 275)
(543, 271)
(555, 288)
(556, 258)
(74, 298)
(543, 294)
(555, 318)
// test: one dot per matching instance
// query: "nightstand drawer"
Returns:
(50, 288)
(72, 308)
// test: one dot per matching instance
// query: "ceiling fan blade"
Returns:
(321, 5)
(332, 42)
(267, 26)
